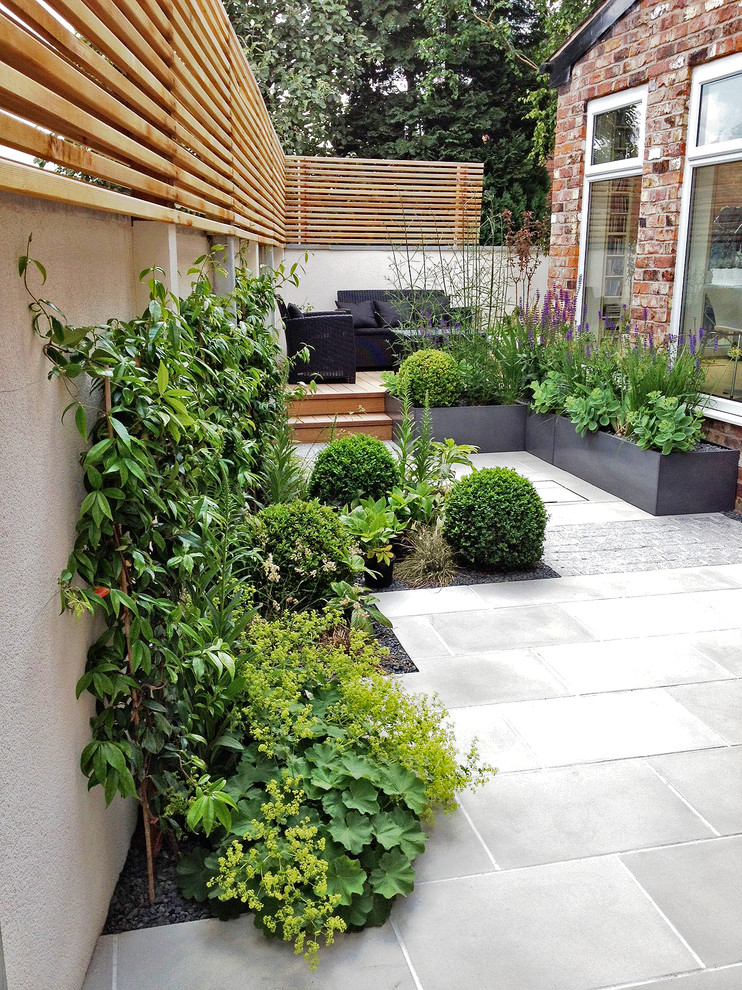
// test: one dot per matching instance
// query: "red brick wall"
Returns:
(658, 45)
(728, 436)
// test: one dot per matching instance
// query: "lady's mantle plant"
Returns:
(179, 400)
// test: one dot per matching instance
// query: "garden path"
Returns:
(607, 853)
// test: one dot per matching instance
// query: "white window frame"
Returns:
(727, 410)
(608, 170)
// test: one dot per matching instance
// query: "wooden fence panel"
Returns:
(156, 101)
(367, 201)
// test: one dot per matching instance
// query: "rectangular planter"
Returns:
(540, 429)
(662, 484)
(491, 428)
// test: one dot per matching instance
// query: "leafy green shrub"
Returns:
(339, 767)
(352, 468)
(430, 373)
(665, 424)
(495, 519)
(590, 409)
(300, 549)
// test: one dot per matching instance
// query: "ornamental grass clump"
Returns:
(352, 468)
(430, 376)
(298, 550)
(495, 519)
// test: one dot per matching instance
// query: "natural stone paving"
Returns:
(607, 852)
(644, 545)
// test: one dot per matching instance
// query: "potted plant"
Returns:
(374, 526)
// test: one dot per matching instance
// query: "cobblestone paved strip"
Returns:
(644, 545)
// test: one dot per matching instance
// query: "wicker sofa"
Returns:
(376, 334)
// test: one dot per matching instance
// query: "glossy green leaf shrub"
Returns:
(299, 550)
(352, 468)
(430, 373)
(495, 519)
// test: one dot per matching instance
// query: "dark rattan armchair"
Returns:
(331, 343)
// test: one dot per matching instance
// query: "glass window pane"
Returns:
(712, 293)
(616, 135)
(613, 225)
(721, 110)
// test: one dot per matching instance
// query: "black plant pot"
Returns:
(383, 573)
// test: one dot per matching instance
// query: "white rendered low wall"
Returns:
(60, 849)
(326, 270)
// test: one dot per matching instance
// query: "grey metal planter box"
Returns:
(491, 428)
(662, 484)
(540, 429)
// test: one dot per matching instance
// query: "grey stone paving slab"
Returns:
(545, 591)
(548, 815)
(512, 675)
(725, 647)
(498, 744)
(652, 616)
(567, 926)
(711, 781)
(616, 665)
(100, 970)
(211, 955)
(419, 638)
(428, 601)
(567, 516)
(551, 492)
(453, 850)
(729, 978)
(717, 703)
(512, 628)
(698, 889)
(597, 727)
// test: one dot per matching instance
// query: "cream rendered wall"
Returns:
(327, 270)
(60, 849)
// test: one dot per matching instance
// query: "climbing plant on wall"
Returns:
(179, 401)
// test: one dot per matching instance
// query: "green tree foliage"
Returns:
(436, 80)
(404, 106)
(521, 36)
(307, 55)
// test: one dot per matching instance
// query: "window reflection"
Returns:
(611, 249)
(721, 110)
(616, 135)
(712, 296)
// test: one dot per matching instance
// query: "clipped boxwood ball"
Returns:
(353, 467)
(302, 548)
(496, 520)
(430, 372)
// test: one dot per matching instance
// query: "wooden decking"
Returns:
(340, 408)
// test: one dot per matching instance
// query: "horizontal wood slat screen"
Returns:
(153, 97)
(368, 201)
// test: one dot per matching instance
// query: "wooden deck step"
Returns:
(313, 429)
(341, 403)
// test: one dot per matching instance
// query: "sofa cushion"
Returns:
(362, 312)
(293, 312)
(392, 314)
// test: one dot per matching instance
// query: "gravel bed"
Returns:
(130, 908)
(470, 575)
